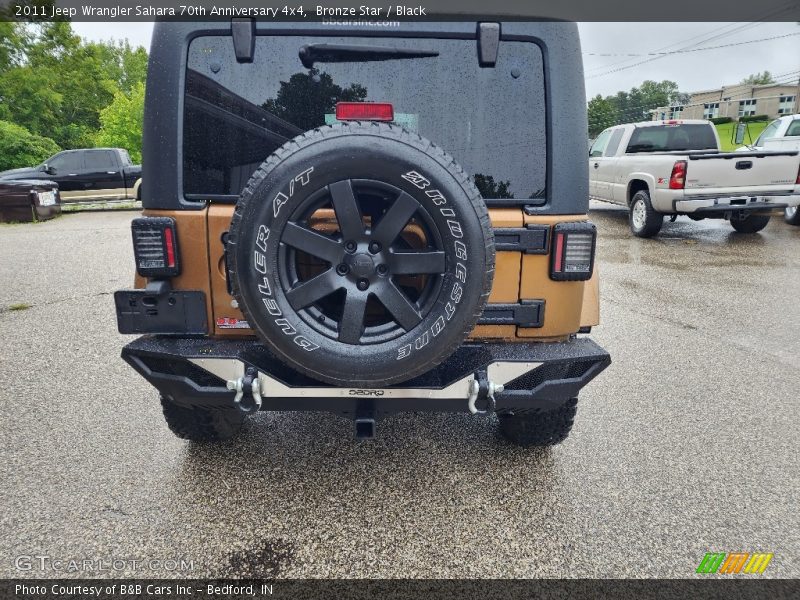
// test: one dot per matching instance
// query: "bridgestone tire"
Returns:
(357, 322)
(540, 429)
(792, 215)
(750, 224)
(201, 424)
(644, 221)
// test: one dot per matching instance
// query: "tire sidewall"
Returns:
(269, 206)
(640, 196)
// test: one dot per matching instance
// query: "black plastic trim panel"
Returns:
(528, 313)
(533, 239)
(175, 312)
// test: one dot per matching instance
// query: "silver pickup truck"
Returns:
(658, 168)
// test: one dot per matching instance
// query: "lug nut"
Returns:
(363, 284)
(374, 247)
(383, 269)
(342, 269)
(350, 246)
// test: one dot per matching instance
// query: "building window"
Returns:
(747, 108)
(675, 112)
(786, 105)
(711, 111)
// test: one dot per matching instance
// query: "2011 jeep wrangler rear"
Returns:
(365, 220)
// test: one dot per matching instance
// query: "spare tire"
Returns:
(361, 254)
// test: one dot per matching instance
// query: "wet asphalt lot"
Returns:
(688, 443)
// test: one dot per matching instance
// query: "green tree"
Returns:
(305, 99)
(489, 188)
(121, 123)
(602, 114)
(20, 148)
(759, 79)
(632, 106)
(55, 84)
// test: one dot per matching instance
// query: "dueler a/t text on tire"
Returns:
(361, 254)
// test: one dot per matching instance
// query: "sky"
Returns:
(692, 71)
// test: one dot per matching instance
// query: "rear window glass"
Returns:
(669, 138)
(492, 120)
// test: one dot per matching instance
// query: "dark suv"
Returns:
(365, 220)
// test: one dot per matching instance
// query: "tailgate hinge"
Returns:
(243, 32)
(488, 43)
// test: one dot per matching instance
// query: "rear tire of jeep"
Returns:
(201, 424)
(361, 254)
(750, 224)
(791, 214)
(540, 429)
(644, 221)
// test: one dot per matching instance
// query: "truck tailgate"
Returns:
(742, 170)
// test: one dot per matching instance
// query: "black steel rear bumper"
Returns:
(170, 364)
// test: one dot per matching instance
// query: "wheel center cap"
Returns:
(361, 265)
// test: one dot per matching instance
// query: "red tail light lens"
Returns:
(364, 111)
(572, 255)
(155, 246)
(797, 181)
(169, 244)
(677, 180)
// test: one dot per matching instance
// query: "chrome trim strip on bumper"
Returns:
(499, 372)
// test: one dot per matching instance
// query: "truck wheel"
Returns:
(201, 424)
(750, 224)
(645, 222)
(539, 429)
(361, 254)
(791, 215)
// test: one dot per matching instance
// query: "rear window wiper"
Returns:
(338, 53)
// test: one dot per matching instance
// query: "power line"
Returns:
(737, 27)
(759, 21)
(667, 47)
(775, 37)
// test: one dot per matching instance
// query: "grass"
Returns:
(727, 131)
(19, 306)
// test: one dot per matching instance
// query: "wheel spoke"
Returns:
(347, 212)
(396, 302)
(395, 219)
(312, 242)
(351, 327)
(314, 289)
(418, 263)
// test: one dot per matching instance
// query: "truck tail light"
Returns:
(572, 251)
(677, 180)
(364, 111)
(155, 246)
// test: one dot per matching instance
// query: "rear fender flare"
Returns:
(633, 180)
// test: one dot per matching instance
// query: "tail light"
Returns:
(364, 111)
(155, 246)
(572, 251)
(677, 180)
(797, 181)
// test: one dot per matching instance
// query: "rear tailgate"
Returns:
(742, 172)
